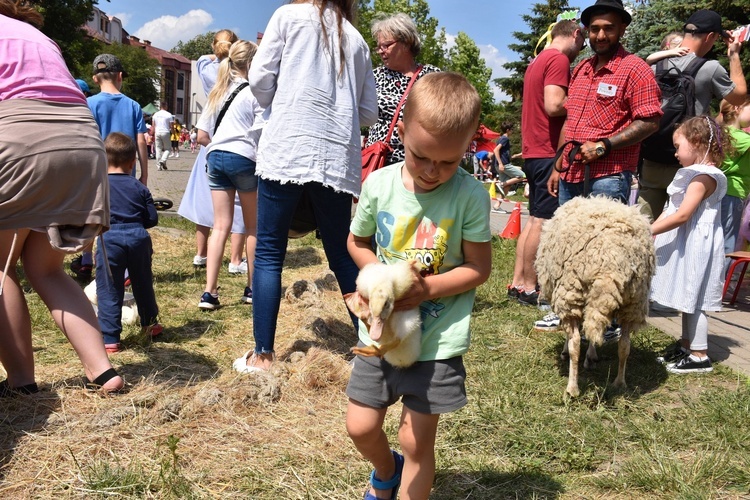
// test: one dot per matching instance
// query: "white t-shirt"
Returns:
(241, 126)
(162, 120)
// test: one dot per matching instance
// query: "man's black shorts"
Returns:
(541, 203)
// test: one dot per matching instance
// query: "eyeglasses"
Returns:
(385, 46)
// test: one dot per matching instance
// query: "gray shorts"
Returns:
(431, 387)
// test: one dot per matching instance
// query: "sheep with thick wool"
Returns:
(595, 262)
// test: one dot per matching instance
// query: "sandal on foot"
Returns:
(6, 391)
(98, 383)
(392, 484)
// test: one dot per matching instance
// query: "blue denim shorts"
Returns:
(227, 170)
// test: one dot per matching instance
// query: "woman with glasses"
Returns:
(398, 46)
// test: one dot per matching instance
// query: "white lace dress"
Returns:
(689, 258)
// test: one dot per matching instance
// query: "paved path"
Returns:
(729, 330)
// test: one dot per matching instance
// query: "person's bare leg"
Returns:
(68, 305)
(201, 240)
(530, 246)
(417, 437)
(365, 427)
(16, 353)
(237, 244)
(223, 202)
(249, 203)
(518, 277)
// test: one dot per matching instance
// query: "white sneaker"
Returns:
(240, 268)
(171, 155)
(177, 155)
(199, 261)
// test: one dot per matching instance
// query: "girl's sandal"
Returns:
(98, 383)
(392, 484)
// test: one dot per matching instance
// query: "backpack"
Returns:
(677, 102)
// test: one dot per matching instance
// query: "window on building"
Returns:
(179, 106)
(168, 89)
(180, 81)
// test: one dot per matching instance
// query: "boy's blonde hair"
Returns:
(233, 67)
(120, 150)
(444, 103)
(729, 111)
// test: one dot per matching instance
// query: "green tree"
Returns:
(433, 40)
(196, 47)
(143, 72)
(464, 58)
(63, 23)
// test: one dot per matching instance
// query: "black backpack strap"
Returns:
(694, 66)
(228, 102)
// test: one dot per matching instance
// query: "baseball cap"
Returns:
(107, 63)
(705, 21)
(83, 85)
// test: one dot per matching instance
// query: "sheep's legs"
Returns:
(574, 351)
(623, 351)
(591, 357)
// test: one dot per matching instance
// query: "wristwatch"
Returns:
(604, 148)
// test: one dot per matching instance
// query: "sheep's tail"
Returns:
(603, 299)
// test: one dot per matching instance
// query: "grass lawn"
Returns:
(189, 427)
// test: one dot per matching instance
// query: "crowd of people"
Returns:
(272, 137)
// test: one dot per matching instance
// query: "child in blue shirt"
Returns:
(428, 209)
(127, 245)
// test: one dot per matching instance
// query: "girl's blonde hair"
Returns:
(708, 137)
(344, 9)
(231, 68)
(671, 40)
(223, 39)
(729, 111)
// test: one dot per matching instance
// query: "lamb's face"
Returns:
(381, 307)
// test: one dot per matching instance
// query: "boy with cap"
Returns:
(701, 31)
(114, 112)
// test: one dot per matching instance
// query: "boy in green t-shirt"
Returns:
(426, 209)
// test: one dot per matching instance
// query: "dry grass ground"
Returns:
(189, 427)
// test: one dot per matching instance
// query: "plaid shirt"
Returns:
(602, 103)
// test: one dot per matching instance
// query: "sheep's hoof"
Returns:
(619, 384)
(564, 356)
(572, 391)
(589, 364)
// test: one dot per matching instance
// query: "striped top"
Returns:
(689, 258)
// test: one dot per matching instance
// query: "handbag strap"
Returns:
(401, 104)
(227, 103)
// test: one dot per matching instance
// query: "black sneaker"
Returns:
(209, 301)
(514, 291)
(82, 271)
(689, 365)
(549, 323)
(672, 354)
(247, 297)
(528, 299)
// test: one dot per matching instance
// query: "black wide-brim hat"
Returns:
(610, 5)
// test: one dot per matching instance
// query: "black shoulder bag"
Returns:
(226, 107)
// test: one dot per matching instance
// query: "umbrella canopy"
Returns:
(485, 138)
(149, 109)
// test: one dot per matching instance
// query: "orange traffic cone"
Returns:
(513, 227)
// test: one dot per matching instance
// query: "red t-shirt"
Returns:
(541, 132)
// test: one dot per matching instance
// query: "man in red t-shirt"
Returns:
(542, 116)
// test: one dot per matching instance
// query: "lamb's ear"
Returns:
(357, 305)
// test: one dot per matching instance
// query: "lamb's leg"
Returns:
(591, 357)
(574, 350)
(623, 351)
(564, 355)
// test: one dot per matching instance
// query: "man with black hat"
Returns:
(702, 30)
(613, 104)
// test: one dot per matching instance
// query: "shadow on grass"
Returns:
(642, 373)
(302, 257)
(332, 335)
(170, 364)
(21, 416)
(490, 484)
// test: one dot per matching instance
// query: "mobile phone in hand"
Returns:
(742, 34)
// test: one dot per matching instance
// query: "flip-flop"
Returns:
(6, 391)
(163, 204)
(102, 379)
(393, 483)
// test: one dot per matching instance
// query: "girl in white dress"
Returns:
(690, 243)
(196, 203)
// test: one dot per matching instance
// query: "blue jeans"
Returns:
(276, 204)
(615, 186)
(128, 247)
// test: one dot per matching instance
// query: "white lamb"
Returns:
(595, 262)
(397, 333)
